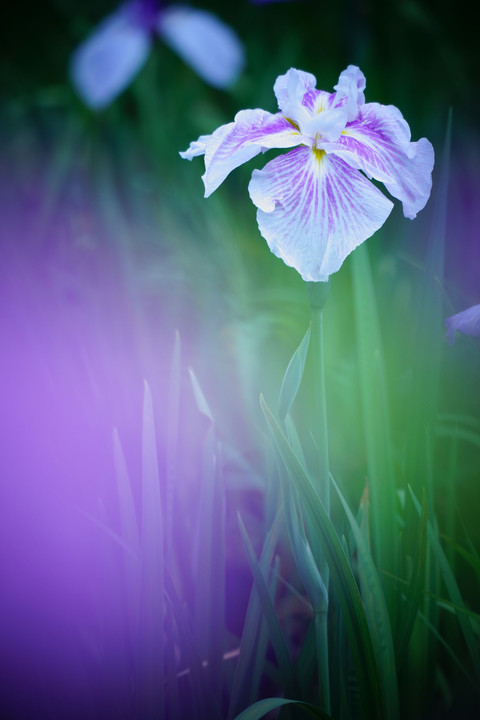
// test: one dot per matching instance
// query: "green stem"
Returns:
(317, 296)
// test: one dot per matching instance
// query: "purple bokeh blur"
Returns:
(78, 339)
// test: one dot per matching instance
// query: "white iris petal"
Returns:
(315, 204)
(204, 42)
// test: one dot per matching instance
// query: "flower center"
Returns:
(318, 154)
(292, 122)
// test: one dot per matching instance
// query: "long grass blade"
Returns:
(375, 412)
(210, 581)
(377, 616)
(293, 377)
(151, 625)
(341, 574)
(277, 636)
(415, 590)
(262, 707)
(452, 589)
(244, 681)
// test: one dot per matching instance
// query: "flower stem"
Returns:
(317, 296)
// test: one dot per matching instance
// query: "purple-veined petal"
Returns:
(378, 142)
(204, 42)
(350, 87)
(103, 65)
(467, 322)
(252, 132)
(327, 124)
(290, 90)
(314, 209)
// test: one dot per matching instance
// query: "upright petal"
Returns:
(103, 65)
(314, 209)
(350, 87)
(252, 132)
(328, 124)
(204, 42)
(290, 90)
(378, 142)
(467, 322)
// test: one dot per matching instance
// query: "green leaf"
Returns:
(414, 593)
(277, 636)
(302, 553)
(453, 607)
(293, 377)
(341, 574)
(452, 589)
(377, 615)
(470, 557)
(375, 413)
(245, 680)
(449, 649)
(262, 707)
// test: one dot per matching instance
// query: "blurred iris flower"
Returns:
(314, 204)
(108, 60)
(467, 322)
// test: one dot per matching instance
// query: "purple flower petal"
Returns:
(467, 322)
(350, 87)
(252, 132)
(103, 65)
(314, 206)
(314, 209)
(378, 142)
(204, 42)
(290, 90)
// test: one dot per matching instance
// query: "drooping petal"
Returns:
(252, 132)
(350, 87)
(204, 42)
(467, 322)
(378, 142)
(196, 148)
(103, 66)
(314, 209)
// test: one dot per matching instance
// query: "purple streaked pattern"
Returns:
(108, 60)
(467, 322)
(324, 208)
(314, 204)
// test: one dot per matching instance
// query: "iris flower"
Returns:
(316, 202)
(108, 60)
(467, 322)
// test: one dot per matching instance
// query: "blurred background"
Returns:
(107, 247)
